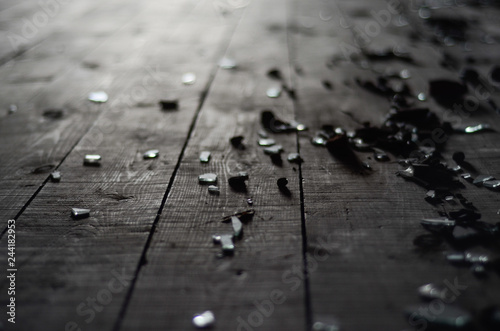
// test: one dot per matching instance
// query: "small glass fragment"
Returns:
(294, 158)
(169, 104)
(263, 134)
(479, 180)
(79, 213)
(208, 178)
(212, 189)
(456, 258)
(55, 176)
(318, 141)
(98, 97)
(12, 109)
(227, 63)
(273, 92)
(92, 160)
(151, 154)
(226, 240)
(243, 174)
(494, 184)
(421, 96)
(405, 74)
(380, 155)
(205, 156)
(250, 201)
(188, 78)
(273, 150)
(204, 320)
(237, 226)
(298, 126)
(432, 291)
(476, 128)
(467, 176)
(267, 142)
(476, 258)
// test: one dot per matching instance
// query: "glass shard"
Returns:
(267, 142)
(92, 160)
(208, 178)
(204, 320)
(273, 150)
(55, 176)
(475, 128)
(405, 74)
(212, 189)
(494, 184)
(479, 180)
(263, 134)
(294, 158)
(250, 201)
(467, 176)
(205, 156)
(380, 155)
(237, 226)
(273, 92)
(226, 241)
(12, 109)
(169, 104)
(188, 78)
(421, 96)
(151, 154)
(318, 141)
(216, 238)
(227, 63)
(79, 213)
(244, 175)
(432, 292)
(98, 97)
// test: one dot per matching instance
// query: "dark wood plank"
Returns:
(367, 224)
(64, 261)
(182, 275)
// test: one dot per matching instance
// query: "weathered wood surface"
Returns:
(340, 248)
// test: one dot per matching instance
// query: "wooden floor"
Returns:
(339, 250)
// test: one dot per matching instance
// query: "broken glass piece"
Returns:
(298, 126)
(273, 124)
(294, 158)
(476, 258)
(237, 142)
(53, 114)
(380, 155)
(421, 96)
(360, 145)
(366, 165)
(438, 225)
(475, 128)
(494, 184)
(98, 97)
(432, 291)
(208, 178)
(450, 317)
(467, 176)
(169, 104)
(274, 73)
(479, 180)
(456, 258)
(250, 201)
(267, 142)
(188, 78)
(227, 63)
(273, 92)
(212, 189)
(318, 141)
(78, 213)
(273, 150)
(404, 74)
(243, 174)
(204, 320)
(55, 176)
(262, 134)
(244, 216)
(12, 109)
(226, 240)
(92, 160)
(151, 154)
(216, 238)
(204, 157)
(237, 226)
(237, 183)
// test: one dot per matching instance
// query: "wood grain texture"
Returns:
(65, 261)
(182, 275)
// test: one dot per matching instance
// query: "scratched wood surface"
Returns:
(339, 250)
